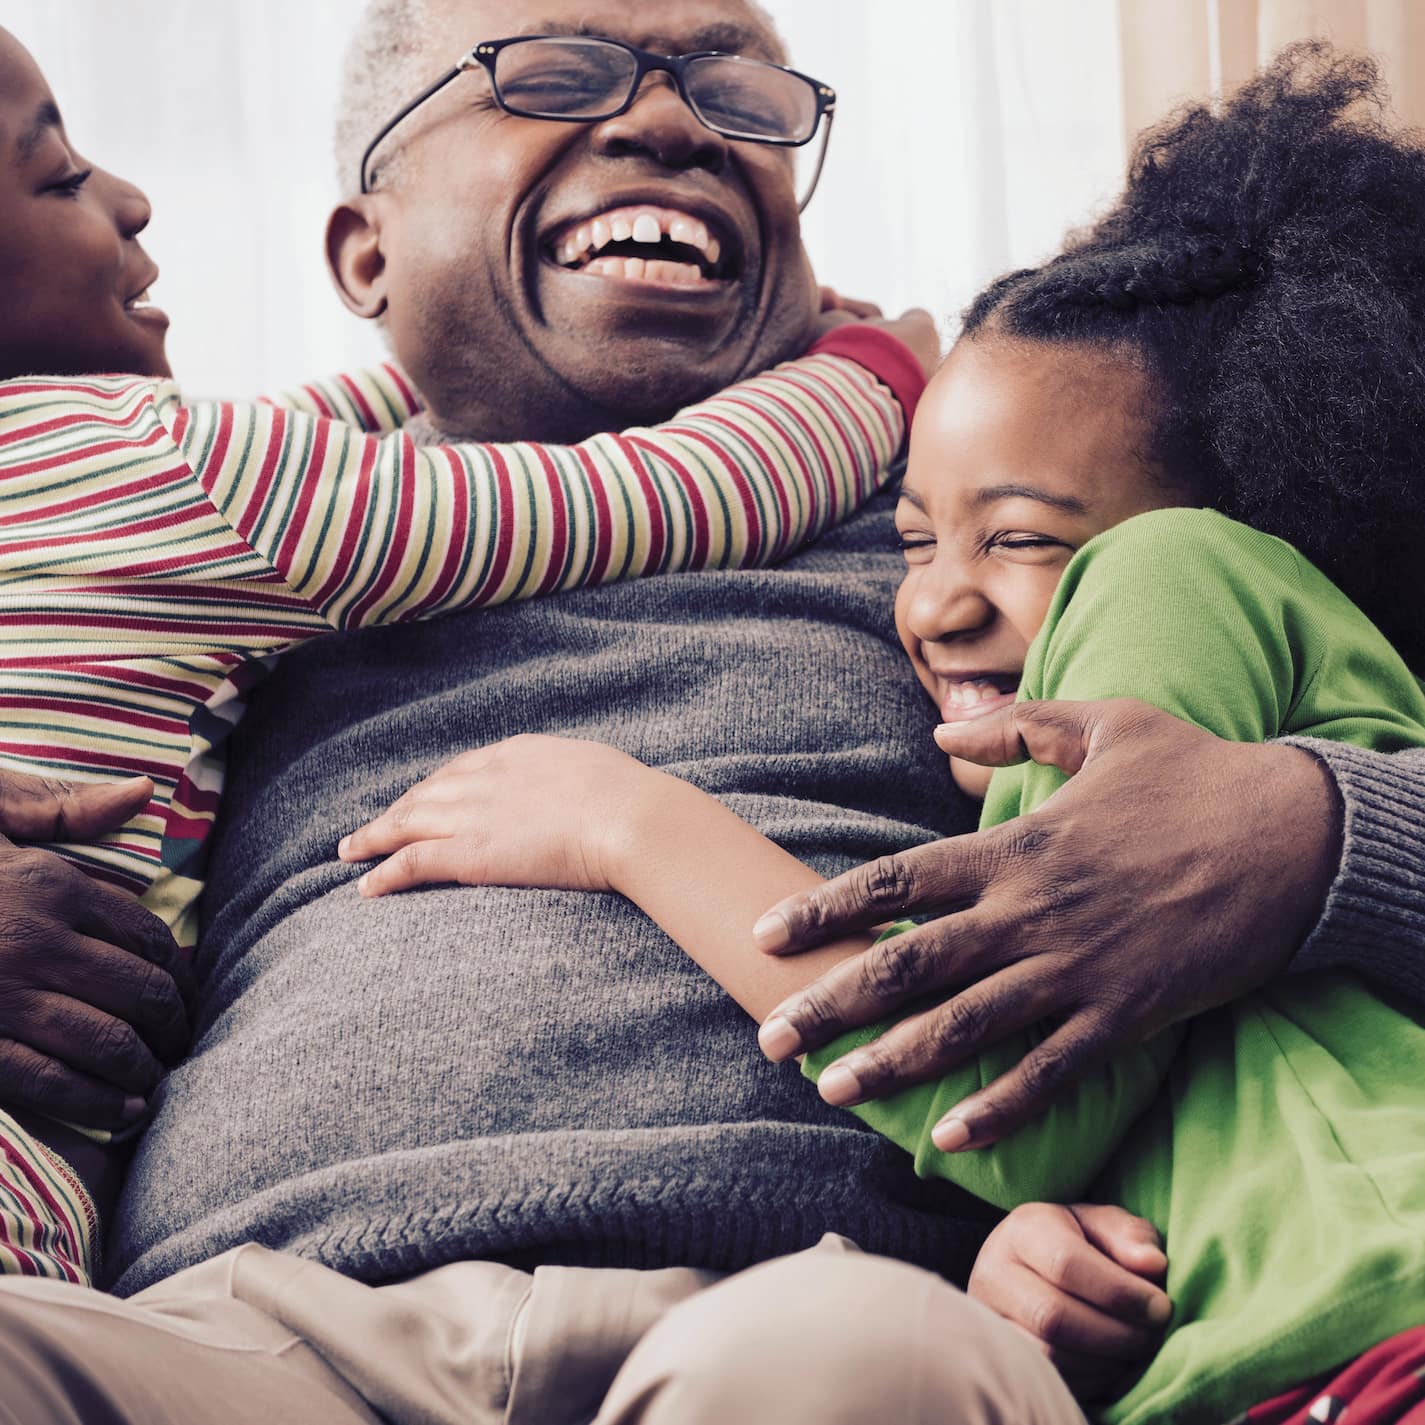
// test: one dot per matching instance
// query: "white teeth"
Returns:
(634, 268)
(584, 244)
(970, 695)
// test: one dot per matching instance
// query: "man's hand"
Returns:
(1174, 873)
(1084, 1281)
(92, 986)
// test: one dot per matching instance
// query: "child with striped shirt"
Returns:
(155, 555)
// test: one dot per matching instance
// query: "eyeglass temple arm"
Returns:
(820, 161)
(466, 62)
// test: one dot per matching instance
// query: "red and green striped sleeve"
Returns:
(368, 529)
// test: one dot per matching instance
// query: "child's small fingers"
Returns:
(1083, 1271)
(1064, 1322)
(1131, 1241)
(420, 863)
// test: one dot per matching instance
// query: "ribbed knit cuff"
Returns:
(886, 357)
(1374, 920)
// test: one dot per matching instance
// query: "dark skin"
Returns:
(452, 249)
(1176, 872)
(87, 1026)
(71, 267)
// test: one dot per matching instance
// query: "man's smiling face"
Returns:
(498, 248)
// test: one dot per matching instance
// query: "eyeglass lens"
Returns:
(590, 78)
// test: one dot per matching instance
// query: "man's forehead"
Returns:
(673, 27)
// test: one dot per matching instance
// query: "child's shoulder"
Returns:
(31, 406)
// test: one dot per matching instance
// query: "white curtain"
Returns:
(970, 134)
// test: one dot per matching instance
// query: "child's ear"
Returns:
(354, 256)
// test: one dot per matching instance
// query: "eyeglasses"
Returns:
(574, 79)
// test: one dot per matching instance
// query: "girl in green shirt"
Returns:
(1179, 462)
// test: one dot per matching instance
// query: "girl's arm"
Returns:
(1212, 621)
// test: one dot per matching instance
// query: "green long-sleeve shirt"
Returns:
(1278, 1143)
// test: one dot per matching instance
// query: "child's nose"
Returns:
(947, 608)
(132, 210)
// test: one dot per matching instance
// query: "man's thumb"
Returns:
(47, 809)
(1056, 734)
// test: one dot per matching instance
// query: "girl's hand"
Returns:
(1084, 1281)
(530, 811)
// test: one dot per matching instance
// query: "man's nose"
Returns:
(660, 125)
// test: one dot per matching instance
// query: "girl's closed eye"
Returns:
(1024, 542)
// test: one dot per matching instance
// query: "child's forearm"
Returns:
(704, 876)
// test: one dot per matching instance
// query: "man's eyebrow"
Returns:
(912, 498)
(46, 118)
(992, 494)
(725, 36)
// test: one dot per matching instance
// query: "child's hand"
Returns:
(1084, 1281)
(531, 811)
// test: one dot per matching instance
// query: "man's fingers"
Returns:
(939, 876)
(120, 984)
(42, 1084)
(51, 809)
(1027, 1089)
(87, 1040)
(927, 1045)
(113, 916)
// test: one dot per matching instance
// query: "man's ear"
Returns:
(354, 256)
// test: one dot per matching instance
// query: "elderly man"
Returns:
(419, 1100)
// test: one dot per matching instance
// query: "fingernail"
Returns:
(1160, 1311)
(839, 1086)
(778, 1039)
(361, 885)
(771, 932)
(950, 1135)
(133, 1108)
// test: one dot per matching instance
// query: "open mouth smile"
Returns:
(964, 697)
(644, 243)
(141, 305)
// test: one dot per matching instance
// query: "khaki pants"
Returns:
(830, 1336)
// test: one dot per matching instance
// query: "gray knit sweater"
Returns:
(540, 1076)
(543, 1077)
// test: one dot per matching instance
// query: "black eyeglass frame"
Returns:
(485, 54)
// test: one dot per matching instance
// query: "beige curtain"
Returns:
(1179, 49)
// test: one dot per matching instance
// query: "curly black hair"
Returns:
(1266, 263)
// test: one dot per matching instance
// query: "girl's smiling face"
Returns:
(73, 278)
(1021, 453)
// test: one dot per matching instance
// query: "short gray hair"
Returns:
(383, 69)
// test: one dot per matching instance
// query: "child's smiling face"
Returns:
(1020, 454)
(73, 278)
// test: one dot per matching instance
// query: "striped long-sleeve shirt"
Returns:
(156, 556)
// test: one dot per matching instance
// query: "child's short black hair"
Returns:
(1267, 262)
